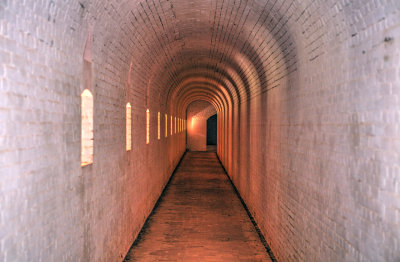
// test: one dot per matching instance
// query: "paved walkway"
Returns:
(199, 218)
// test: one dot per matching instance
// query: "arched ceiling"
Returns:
(241, 47)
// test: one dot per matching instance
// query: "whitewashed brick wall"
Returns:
(52, 209)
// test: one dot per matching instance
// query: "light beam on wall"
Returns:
(159, 128)
(128, 127)
(86, 128)
(147, 126)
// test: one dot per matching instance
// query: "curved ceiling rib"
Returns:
(205, 83)
(219, 99)
(245, 43)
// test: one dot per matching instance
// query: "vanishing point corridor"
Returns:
(199, 218)
(199, 130)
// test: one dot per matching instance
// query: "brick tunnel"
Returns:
(101, 100)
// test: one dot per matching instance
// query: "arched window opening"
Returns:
(128, 127)
(166, 125)
(147, 126)
(175, 125)
(158, 133)
(86, 128)
(171, 126)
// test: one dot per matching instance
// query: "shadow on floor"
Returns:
(211, 148)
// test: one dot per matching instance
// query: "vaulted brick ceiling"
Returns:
(221, 51)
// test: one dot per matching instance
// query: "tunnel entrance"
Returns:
(198, 113)
(212, 133)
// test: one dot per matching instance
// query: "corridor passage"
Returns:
(199, 218)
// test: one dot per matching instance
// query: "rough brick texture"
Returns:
(51, 208)
(197, 114)
(307, 95)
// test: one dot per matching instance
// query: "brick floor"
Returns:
(199, 218)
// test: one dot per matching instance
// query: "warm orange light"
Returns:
(193, 122)
(166, 125)
(147, 126)
(159, 131)
(171, 126)
(128, 127)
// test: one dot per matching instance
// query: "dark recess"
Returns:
(212, 130)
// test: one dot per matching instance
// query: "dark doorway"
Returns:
(212, 130)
